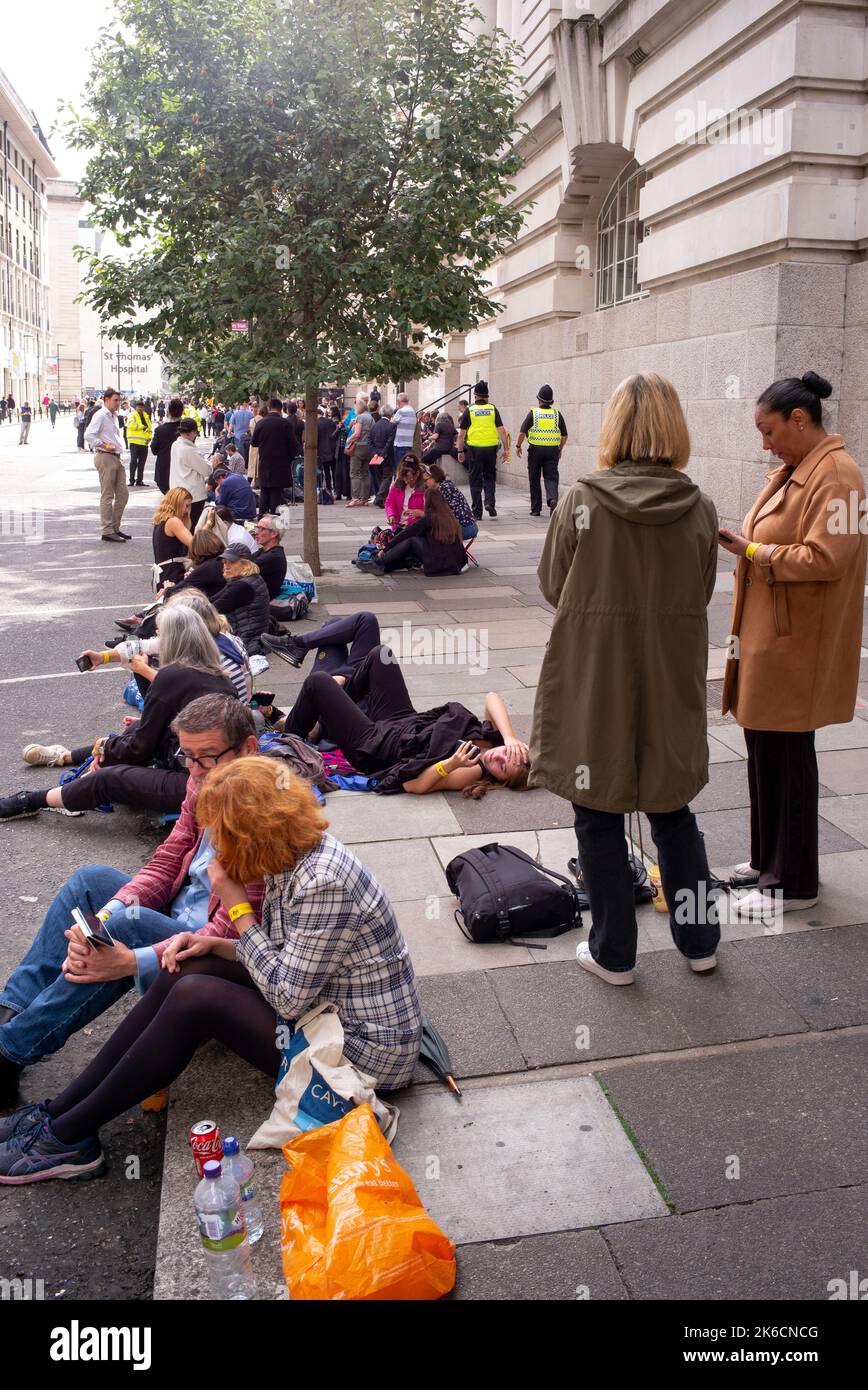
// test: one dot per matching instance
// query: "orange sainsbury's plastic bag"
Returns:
(352, 1223)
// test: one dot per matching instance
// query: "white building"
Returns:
(700, 208)
(25, 328)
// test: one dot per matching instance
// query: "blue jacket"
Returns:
(237, 494)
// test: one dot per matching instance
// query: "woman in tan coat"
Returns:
(796, 636)
(619, 722)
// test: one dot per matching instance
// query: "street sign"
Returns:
(239, 325)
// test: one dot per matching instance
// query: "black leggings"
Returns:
(209, 998)
(396, 556)
(379, 679)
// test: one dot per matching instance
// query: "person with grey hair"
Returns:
(138, 767)
(360, 451)
(61, 985)
(270, 555)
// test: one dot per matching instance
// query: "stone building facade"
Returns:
(696, 175)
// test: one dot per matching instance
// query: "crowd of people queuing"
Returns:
(250, 911)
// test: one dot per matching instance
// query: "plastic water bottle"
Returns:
(241, 1169)
(224, 1239)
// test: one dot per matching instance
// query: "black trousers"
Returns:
(376, 679)
(684, 872)
(482, 468)
(270, 499)
(396, 557)
(145, 788)
(542, 461)
(342, 475)
(784, 810)
(138, 459)
(342, 643)
(196, 511)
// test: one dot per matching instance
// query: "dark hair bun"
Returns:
(817, 385)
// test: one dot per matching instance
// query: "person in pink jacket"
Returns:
(405, 500)
(62, 984)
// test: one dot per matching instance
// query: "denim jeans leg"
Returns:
(89, 889)
(63, 1007)
(685, 875)
(609, 885)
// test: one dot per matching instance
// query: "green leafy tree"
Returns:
(337, 174)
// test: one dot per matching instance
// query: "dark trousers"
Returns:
(328, 473)
(396, 557)
(342, 643)
(138, 459)
(270, 498)
(482, 467)
(376, 680)
(542, 461)
(784, 810)
(80, 437)
(196, 511)
(342, 475)
(145, 788)
(603, 855)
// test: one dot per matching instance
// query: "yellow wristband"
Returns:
(240, 910)
(441, 769)
(751, 551)
(106, 658)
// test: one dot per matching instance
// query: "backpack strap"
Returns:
(553, 873)
(500, 904)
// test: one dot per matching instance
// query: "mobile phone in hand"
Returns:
(84, 663)
(262, 698)
(95, 931)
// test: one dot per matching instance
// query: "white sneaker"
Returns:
(703, 964)
(758, 906)
(45, 754)
(612, 977)
(745, 870)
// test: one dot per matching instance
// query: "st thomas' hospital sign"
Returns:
(136, 362)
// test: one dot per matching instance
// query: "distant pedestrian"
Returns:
(52, 412)
(140, 432)
(546, 433)
(26, 421)
(79, 421)
(161, 445)
(103, 435)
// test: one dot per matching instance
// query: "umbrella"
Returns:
(435, 1054)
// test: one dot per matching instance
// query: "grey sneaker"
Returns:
(25, 1117)
(36, 1154)
(45, 754)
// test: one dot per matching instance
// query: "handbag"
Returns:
(504, 894)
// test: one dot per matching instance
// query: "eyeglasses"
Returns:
(207, 761)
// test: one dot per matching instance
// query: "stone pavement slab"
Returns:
(849, 813)
(845, 772)
(793, 1115)
(559, 1013)
(546, 1268)
(446, 847)
(822, 974)
(503, 810)
(522, 1159)
(727, 836)
(467, 1013)
(357, 817)
(833, 738)
(719, 752)
(406, 870)
(438, 946)
(780, 1249)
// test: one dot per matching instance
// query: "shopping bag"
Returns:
(299, 573)
(316, 1083)
(352, 1223)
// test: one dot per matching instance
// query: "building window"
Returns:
(619, 233)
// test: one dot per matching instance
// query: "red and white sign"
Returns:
(239, 325)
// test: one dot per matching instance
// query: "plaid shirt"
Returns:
(329, 934)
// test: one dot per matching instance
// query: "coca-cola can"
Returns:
(206, 1143)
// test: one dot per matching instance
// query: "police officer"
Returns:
(139, 435)
(482, 430)
(546, 433)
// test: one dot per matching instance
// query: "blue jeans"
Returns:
(51, 1008)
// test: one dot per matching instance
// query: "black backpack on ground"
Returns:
(504, 895)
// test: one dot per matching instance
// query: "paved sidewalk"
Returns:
(689, 1137)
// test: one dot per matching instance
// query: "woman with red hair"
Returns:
(328, 933)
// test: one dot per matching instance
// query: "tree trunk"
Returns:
(311, 513)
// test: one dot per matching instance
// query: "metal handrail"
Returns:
(444, 400)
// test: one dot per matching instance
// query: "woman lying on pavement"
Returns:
(442, 749)
(138, 767)
(328, 934)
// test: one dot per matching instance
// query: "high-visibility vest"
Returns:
(546, 427)
(482, 431)
(139, 429)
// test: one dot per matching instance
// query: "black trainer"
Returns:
(115, 537)
(124, 535)
(286, 647)
(492, 511)
(10, 1075)
(21, 804)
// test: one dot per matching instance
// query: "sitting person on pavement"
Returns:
(42, 1005)
(245, 599)
(171, 537)
(455, 499)
(234, 491)
(329, 934)
(138, 767)
(405, 500)
(435, 539)
(271, 556)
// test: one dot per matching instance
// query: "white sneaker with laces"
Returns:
(45, 754)
(612, 977)
(758, 906)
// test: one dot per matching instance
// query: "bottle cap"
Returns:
(212, 1169)
(230, 1145)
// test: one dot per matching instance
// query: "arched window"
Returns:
(619, 233)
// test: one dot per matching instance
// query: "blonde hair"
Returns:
(201, 604)
(173, 504)
(644, 420)
(246, 567)
(261, 818)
